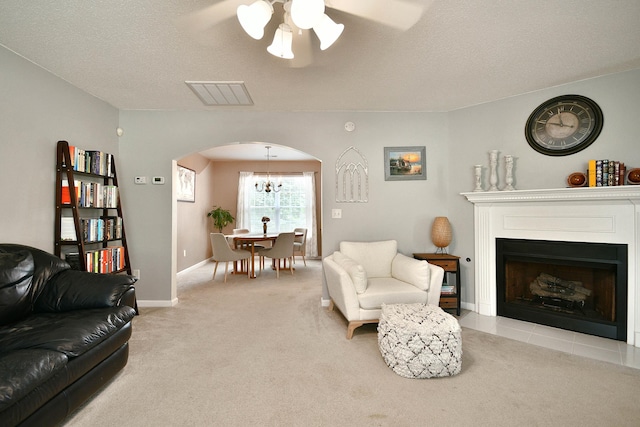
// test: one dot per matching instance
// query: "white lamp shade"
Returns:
(255, 17)
(327, 31)
(282, 41)
(306, 14)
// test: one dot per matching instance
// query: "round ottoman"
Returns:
(420, 340)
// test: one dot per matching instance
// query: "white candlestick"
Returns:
(508, 164)
(478, 175)
(493, 166)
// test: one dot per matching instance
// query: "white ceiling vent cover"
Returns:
(221, 93)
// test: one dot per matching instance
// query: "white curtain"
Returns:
(243, 219)
(310, 190)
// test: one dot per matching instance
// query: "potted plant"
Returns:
(221, 218)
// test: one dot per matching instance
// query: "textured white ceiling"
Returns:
(138, 54)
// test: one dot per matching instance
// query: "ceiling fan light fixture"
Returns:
(255, 17)
(306, 14)
(327, 31)
(282, 42)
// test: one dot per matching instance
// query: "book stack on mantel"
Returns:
(606, 173)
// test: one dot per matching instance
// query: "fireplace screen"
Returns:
(571, 285)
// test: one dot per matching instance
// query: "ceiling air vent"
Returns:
(221, 93)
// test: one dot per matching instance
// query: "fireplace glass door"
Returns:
(571, 285)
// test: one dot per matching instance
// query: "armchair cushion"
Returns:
(355, 270)
(374, 257)
(388, 290)
(411, 270)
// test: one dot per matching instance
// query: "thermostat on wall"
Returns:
(158, 180)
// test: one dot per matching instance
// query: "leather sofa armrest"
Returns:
(74, 290)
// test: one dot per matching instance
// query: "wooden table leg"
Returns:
(253, 265)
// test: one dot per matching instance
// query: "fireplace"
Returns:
(597, 215)
(577, 286)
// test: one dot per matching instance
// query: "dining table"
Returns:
(249, 240)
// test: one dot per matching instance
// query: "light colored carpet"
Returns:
(264, 352)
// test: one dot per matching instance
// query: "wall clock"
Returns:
(564, 125)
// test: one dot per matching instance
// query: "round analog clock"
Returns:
(564, 125)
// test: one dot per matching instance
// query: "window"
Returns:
(286, 208)
(294, 206)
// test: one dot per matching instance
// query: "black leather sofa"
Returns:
(63, 334)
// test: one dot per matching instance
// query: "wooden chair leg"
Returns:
(214, 271)
(277, 269)
(305, 260)
(291, 265)
(226, 267)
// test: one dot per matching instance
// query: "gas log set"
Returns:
(558, 293)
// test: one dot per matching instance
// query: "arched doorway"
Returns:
(217, 173)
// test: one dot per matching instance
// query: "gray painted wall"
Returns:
(38, 109)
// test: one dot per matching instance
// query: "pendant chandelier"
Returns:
(302, 15)
(267, 186)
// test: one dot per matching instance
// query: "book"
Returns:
(591, 173)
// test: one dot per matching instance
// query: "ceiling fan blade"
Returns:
(398, 14)
(211, 15)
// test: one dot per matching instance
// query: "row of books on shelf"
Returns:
(91, 161)
(91, 194)
(107, 260)
(606, 173)
(93, 229)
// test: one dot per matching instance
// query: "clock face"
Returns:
(564, 125)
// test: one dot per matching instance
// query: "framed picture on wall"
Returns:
(405, 163)
(186, 185)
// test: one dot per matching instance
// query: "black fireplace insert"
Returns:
(577, 286)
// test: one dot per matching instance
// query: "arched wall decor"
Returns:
(352, 177)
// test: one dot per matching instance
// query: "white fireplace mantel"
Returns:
(586, 214)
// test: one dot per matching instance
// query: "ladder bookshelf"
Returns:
(89, 230)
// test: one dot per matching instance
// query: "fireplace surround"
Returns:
(607, 215)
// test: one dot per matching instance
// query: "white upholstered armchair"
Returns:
(364, 275)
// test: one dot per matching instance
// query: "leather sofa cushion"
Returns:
(73, 289)
(412, 271)
(16, 275)
(374, 257)
(388, 290)
(71, 333)
(23, 370)
(355, 271)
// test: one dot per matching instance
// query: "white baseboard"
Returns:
(194, 266)
(158, 303)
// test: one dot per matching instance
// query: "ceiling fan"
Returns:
(292, 39)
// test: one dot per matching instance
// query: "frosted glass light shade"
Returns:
(282, 41)
(327, 31)
(306, 13)
(441, 232)
(255, 17)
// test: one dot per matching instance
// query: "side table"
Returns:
(451, 264)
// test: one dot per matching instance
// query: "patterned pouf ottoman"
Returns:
(419, 340)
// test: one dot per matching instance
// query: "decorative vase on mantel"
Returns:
(264, 227)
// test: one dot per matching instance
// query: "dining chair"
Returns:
(282, 249)
(222, 252)
(299, 244)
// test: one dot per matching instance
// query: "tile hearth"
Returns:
(603, 349)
